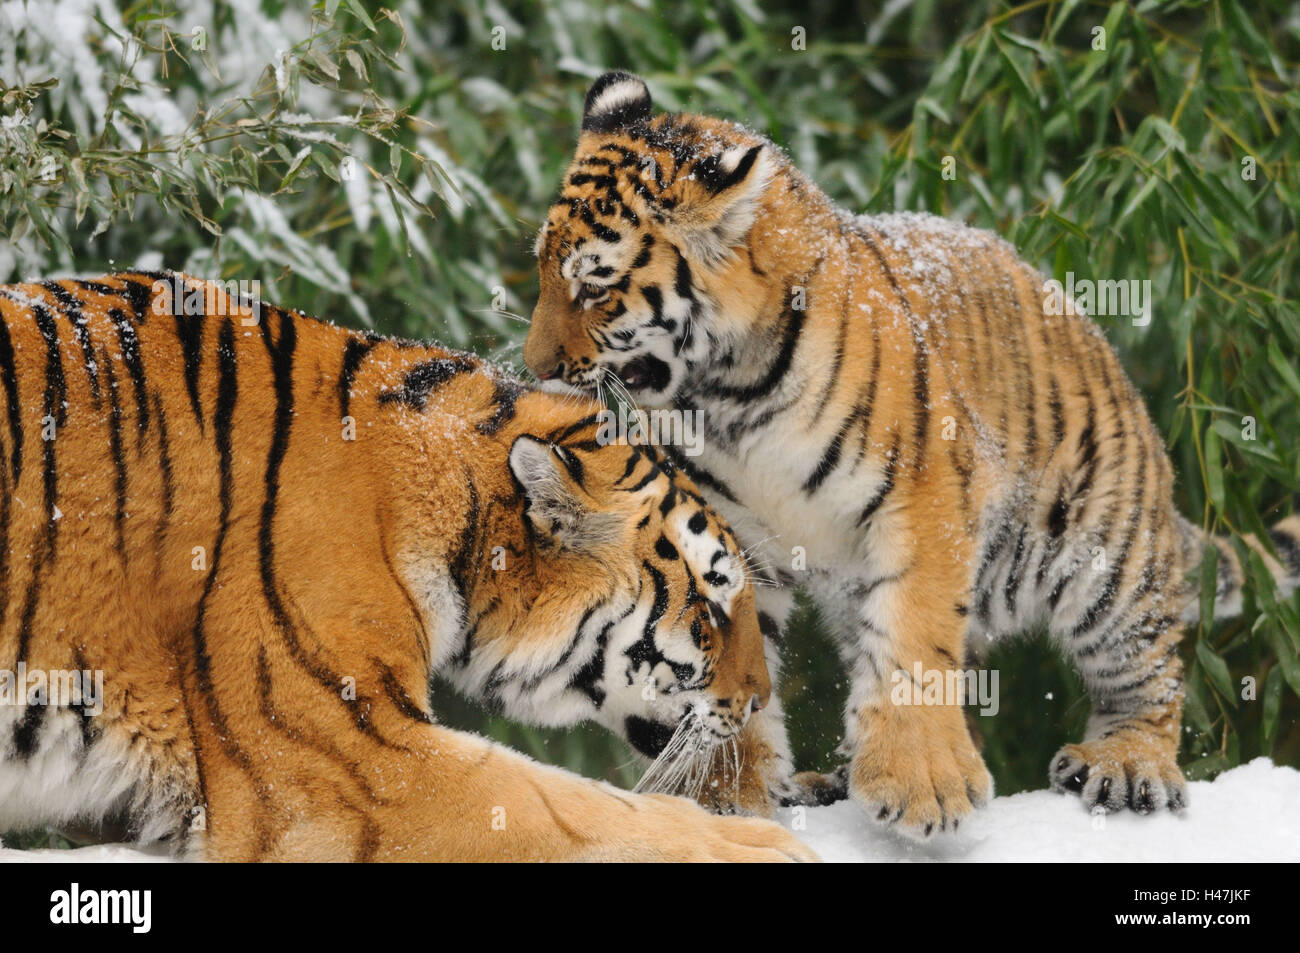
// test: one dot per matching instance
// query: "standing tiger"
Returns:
(889, 394)
(264, 535)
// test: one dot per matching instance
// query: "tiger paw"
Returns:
(1126, 770)
(814, 789)
(751, 797)
(919, 771)
(676, 830)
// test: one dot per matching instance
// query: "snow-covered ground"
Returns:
(1250, 813)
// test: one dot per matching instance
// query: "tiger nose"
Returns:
(750, 705)
(556, 370)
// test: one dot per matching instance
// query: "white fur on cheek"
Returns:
(699, 549)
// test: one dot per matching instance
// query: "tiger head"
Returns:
(642, 615)
(640, 275)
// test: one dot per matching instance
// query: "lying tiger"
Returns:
(888, 400)
(265, 534)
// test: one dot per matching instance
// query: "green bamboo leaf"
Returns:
(1214, 469)
(1272, 702)
(1239, 22)
(1283, 366)
(1231, 432)
(1217, 671)
(1021, 82)
(360, 13)
(1203, 769)
(972, 70)
(1286, 657)
(1139, 197)
(1194, 705)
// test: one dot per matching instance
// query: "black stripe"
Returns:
(832, 378)
(10, 375)
(222, 426)
(698, 475)
(1023, 366)
(1015, 572)
(1058, 412)
(99, 288)
(119, 457)
(131, 357)
(353, 354)
(27, 731)
(644, 650)
(633, 457)
(776, 371)
(398, 695)
(165, 471)
(56, 387)
(886, 486)
(587, 678)
(189, 330)
(54, 407)
(828, 461)
(71, 306)
(531, 683)
(643, 259)
(646, 479)
(140, 295)
(467, 549)
(866, 404)
(992, 551)
(710, 172)
(571, 463)
(424, 377)
(504, 394)
(1110, 589)
(561, 436)
(276, 718)
(920, 364)
(281, 352)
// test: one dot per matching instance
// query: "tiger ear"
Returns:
(615, 101)
(547, 475)
(719, 200)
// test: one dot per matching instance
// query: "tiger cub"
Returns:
(238, 543)
(888, 398)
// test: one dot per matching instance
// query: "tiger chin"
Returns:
(893, 395)
(264, 535)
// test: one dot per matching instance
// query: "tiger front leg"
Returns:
(459, 797)
(913, 762)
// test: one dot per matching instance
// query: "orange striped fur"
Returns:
(268, 534)
(898, 423)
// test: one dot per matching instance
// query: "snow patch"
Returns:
(1250, 813)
